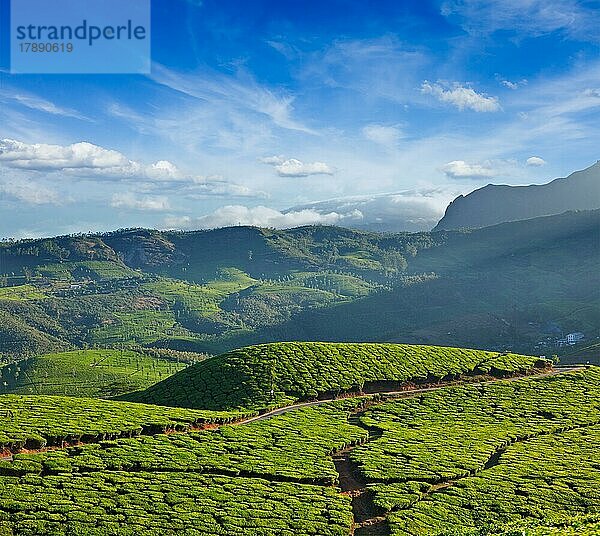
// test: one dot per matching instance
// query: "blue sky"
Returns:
(253, 107)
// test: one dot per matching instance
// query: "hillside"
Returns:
(184, 291)
(279, 373)
(517, 455)
(490, 290)
(85, 373)
(213, 291)
(494, 204)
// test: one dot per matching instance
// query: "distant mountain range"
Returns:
(495, 204)
(516, 285)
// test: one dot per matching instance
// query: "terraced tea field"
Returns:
(88, 373)
(491, 446)
(282, 373)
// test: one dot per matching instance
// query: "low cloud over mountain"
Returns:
(412, 210)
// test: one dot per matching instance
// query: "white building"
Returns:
(574, 338)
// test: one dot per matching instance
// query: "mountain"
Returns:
(516, 285)
(199, 291)
(509, 286)
(494, 204)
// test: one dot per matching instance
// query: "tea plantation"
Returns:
(39, 421)
(295, 446)
(168, 504)
(280, 373)
(87, 373)
(486, 455)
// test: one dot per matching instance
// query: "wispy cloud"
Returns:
(386, 135)
(384, 67)
(238, 93)
(28, 191)
(130, 200)
(578, 20)
(39, 104)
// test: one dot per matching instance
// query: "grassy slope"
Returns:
(510, 452)
(149, 483)
(38, 421)
(491, 291)
(293, 371)
(85, 373)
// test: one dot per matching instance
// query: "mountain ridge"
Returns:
(493, 204)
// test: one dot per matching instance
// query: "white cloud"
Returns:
(260, 216)
(85, 160)
(28, 192)
(217, 186)
(459, 169)
(509, 84)
(594, 93)
(45, 157)
(82, 159)
(513, 85)
(163, 170)
(388, 136)
(535, 161)
(295, 168)
(129, 200)
(410, 210)
(461, 97)
(272, 160)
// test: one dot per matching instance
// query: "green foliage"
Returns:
(38, 421)
(138, 327)
(273, 374)
(550, 479)
(295, 446)
(19, 338)
(21, 293)
(86, 373)
(132, 504)
(200, 291)
(510, 457)
(86, 269)
(212, 291)
(453, 432)
(478, 457)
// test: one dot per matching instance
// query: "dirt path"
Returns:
(406, 393)
(370, 520)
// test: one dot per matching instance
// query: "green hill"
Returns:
(85, 373)
(280, 373)
(212, 291)
(499, 287)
